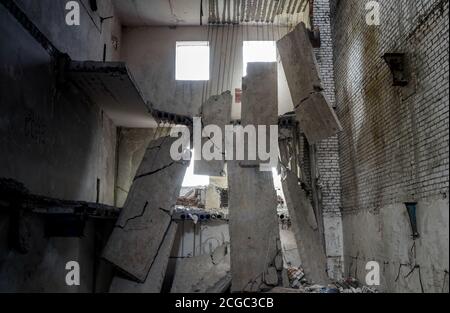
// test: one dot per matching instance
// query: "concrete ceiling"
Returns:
(187, 12)
(158, 12)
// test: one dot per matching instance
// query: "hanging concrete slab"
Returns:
(312, 254)
(155, 279)
(146, 215)
(215, 111)
(316, 116)
(111, 86)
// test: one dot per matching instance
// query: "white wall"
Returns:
(150, 53)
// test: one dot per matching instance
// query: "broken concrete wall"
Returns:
(201, 238)
(206, 273)
(146, 216)
(394, 147)
(57, 143)
(153, 65)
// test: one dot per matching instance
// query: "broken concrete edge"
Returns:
(15, 196)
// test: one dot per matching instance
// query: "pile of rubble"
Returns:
(298, 280)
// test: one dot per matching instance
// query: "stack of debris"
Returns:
(299, 282)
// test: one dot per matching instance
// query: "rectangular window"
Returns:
(192, 60)
(259, 51)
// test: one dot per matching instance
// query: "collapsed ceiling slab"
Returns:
(111, 86)
(314, 113)
(146, 216)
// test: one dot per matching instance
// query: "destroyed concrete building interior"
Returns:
(93, 94)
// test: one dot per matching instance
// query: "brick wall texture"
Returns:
(394, 147)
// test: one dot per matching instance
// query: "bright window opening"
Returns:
(192, 60)
(191, 180)
(259, 51)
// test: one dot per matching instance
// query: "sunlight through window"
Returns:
(192, 60)
(259, 51)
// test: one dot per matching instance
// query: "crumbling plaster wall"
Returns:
(52, 139)
(394, 147)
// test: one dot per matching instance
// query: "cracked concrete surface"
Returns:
(154, 281)
(144, 220)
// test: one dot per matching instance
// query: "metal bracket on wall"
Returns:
(412, 209)
(397, 65)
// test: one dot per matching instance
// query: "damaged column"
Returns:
(145, 220)
(256, 261)
(216, 111)
(314, 113)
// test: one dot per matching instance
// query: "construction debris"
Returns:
(299, 282)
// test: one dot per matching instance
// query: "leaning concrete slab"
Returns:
(317, 118)
(312, 253)
(216, 111)
(146, 216)
(299, 64)
(155, 279)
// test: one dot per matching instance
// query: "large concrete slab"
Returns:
(146, 216)
(215, 111)
(155, 279)
(316, 116)
(312, 254)
(254, 232)
(299, 64)
(259, 101)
